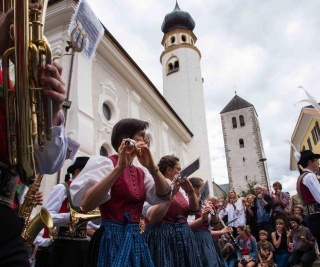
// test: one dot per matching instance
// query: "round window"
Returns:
(106, 111)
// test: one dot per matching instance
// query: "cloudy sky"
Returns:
(264, 50)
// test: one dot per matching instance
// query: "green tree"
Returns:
(249, 190)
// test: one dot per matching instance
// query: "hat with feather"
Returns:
(307, 155)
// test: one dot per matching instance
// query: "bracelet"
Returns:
(153, 171)
(165, 195)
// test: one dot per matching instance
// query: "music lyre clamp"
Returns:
(190, 169)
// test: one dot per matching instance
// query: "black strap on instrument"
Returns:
(77, 209)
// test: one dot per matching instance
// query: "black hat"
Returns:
(79, 163)
(307, 155)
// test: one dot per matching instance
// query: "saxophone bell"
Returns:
(41, 220)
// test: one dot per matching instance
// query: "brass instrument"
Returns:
(77, 219)
(28, 112)
(43, 219)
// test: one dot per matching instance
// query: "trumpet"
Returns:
(77, 219)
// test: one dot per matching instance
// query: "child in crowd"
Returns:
(228, 250)
(265, 249)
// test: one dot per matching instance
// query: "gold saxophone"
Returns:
(28, 112)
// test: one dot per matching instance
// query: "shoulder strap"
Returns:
(298, 185)
(77, 209)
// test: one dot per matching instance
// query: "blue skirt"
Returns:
(117, 244)
(208, 249)
(172, 244)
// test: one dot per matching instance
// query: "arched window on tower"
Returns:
(241, 143)
(173, 65)
(234, 122)
(241, 121)
(176, 66)
(170, 68)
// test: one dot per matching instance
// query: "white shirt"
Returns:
(310, 180)
(234, 213)
(51, 159)
(54, 202)
(41, 241)
(95, 170)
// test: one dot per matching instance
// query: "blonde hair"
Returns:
(250, 195)
(236, 197)
(263, 232)
(245, 228)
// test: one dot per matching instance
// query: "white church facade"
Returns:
(111, 86)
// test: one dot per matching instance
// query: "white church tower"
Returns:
(245, 156)
(183, 83)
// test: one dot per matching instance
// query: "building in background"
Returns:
(245, 156)
(306, 134)
(112, 86)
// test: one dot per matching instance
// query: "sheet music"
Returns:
(91, 25)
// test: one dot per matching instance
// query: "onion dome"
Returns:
(177, 19)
